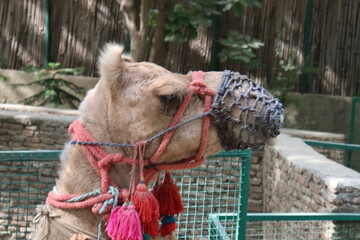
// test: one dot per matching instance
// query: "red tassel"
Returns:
(167, 229)
(154, 188)
(146, 204)
(152, 228)
(124, 224)
(169, 197)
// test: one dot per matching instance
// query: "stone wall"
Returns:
(24, 128)
(299, 179)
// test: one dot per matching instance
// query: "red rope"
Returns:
(102, 162)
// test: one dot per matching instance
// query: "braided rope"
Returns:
(84, 200)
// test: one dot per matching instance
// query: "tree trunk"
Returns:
(159, 46)
(136, 19)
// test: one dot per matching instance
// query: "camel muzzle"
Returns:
(245, 114)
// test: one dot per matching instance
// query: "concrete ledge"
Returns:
(38, 110)
(315, 135)
(299, 179)
(305, 157)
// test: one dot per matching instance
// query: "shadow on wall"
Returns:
(319, 113)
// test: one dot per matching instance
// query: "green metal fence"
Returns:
(345, 154)
(25, 179)
(218, 186)
(290, 226)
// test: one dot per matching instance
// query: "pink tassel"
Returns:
(114, 222)
(124, 224)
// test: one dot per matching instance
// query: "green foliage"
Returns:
(240, 47)
(238, 6)
(185, 17)
(55, 90)
(286, 75)
(152, 22)
(188, 16)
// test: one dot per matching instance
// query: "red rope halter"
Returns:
(102, 162)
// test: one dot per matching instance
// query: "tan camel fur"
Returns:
(129, 104)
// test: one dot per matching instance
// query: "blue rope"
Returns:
(97, 192)
(99, 230)
(73, 142)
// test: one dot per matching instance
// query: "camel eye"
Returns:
(169, 104)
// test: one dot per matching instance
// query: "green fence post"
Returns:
(354, 101)
(47, 33)
(304, 78)
(244, 193)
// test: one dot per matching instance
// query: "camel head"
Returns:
(135, 101)
(150, 119)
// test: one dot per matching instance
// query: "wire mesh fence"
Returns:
(218, 186)
(25, 179)
(303, 230)
(215, 187)
(345, 154)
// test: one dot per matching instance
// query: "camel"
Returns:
(132, 103)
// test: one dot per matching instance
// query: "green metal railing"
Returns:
(291, 226)
(355, 101)
(220, 185)
(339, 152)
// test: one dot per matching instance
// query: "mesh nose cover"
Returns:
(245, 114)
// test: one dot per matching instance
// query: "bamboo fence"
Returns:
(79, 28)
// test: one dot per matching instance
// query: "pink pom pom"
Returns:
(124, 224)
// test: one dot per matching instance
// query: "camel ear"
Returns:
(111, 63)
(170, 85)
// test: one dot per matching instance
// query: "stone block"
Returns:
(13, 126)
(4, 138)
(17, 138)
(47, 129)
(315, 187)
(32, 127)
(33, 140)
(15, 144)
(255, 182)
(28, 133)
(33, 145)
(356, 201)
